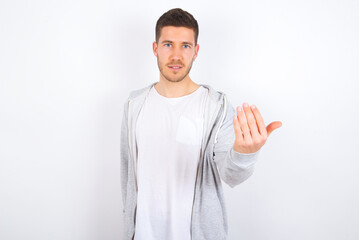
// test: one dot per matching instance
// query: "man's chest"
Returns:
(166, 123)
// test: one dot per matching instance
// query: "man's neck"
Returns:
(176, 89)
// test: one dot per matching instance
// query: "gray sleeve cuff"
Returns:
(244, 160)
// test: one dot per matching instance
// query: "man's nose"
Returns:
(176, 54)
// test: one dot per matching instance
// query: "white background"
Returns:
(67, 67)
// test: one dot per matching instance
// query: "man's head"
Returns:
(178, 18)
(176, 44)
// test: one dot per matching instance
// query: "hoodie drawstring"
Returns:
(223, 115)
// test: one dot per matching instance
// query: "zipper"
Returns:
(130, 141)
(203, 149)
(131, 157)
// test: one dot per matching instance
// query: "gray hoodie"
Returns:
(218, 160)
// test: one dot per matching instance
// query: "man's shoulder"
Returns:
(213, 93)
(137, 92)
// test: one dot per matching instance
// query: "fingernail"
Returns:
(245, 104)
(239, 108)
(253, 107)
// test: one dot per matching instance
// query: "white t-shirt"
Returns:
(168, 137)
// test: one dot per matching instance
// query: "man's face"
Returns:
(175, 52)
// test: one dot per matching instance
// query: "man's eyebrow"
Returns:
(168, 41)
(189, 43)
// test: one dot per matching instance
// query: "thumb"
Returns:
(272, 126)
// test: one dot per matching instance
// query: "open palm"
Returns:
(250, 130)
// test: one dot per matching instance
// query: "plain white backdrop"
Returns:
(67, 67)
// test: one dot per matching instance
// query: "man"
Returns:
(179, 140)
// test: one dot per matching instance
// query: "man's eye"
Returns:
(167, 44)
(186, 46)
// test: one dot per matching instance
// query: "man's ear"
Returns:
(196, 52)
(154, 48)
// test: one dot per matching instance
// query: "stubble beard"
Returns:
(173, 77)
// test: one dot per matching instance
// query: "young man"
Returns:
(179, 140)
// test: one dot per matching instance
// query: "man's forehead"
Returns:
(177, 34)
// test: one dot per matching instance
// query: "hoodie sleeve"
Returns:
(233, 167)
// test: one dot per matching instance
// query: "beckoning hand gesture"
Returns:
(251, 133)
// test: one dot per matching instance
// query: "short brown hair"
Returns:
(178, 18)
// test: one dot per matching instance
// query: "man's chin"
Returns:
(174, 79)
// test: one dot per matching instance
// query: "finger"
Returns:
(243, 125)
(272, 126)
(252, 123)
(260, 121)
(237, 128)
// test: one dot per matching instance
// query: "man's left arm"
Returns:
(239, 141)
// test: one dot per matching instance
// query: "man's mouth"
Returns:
(175, 67)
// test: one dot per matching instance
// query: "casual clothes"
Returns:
(174, 153)
(168, 137)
